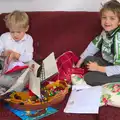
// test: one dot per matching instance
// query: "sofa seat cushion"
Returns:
(109, 113)
(111, 94)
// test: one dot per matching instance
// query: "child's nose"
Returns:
(107, 21)
(15, 34)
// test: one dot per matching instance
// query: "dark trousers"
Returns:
(97, 78)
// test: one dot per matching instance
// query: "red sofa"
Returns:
(60, 32)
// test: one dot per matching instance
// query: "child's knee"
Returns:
(90, 79)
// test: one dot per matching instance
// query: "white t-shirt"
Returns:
(24, 47)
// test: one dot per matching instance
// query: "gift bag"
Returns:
(14, 81)
(28, 76)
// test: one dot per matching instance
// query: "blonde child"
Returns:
(104, 69)
(16, 44)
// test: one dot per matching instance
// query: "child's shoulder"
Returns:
(118, 32)
(28, 37)
(118, 35)
(6, 34)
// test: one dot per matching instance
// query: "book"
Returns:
(29, 115)
(81, 100)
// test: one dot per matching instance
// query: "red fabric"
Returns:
(65, 63)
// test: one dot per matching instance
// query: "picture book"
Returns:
(32, 115)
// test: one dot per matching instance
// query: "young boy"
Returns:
(107, 68)
(16, 44)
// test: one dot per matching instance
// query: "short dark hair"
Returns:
(113, 6)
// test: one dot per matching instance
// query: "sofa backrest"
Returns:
(60, 31)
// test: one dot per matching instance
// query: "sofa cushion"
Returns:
(111, 94)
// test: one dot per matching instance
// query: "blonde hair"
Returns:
(113, 6)
(17, 20)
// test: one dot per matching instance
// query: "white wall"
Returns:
(49, 5)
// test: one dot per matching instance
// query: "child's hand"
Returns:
(7, 53)
(14, 56)
(92, 66)
(79, 63)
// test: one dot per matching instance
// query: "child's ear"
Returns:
(27, 28)
(119, 22)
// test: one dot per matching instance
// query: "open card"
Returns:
(32, 115)
(49, 67)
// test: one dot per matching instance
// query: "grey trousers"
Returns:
(97, 78)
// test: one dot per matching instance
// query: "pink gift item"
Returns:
(13, 66)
